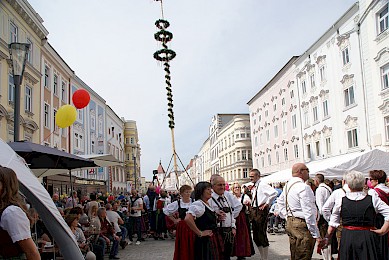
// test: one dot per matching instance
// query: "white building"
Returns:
(115, 147)
(234, 141)
(202, 163)
(374, 50)
(275, 122)
(331, 93)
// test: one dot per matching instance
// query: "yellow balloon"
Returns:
(65, 116)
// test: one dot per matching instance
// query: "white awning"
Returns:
(102, 160)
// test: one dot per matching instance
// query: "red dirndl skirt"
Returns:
(185, 240)
(242, 244)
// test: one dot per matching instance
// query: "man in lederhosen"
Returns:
(297, 204)
(228, 207)
(262, 197)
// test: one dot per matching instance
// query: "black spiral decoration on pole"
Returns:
(165, 55)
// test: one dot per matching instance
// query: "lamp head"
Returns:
(18, 53)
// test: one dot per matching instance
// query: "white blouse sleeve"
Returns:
(16, 223)
(381, 207)
(196, 209)
(246, 199)
(170, 208)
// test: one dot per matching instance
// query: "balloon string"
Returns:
(48, 136)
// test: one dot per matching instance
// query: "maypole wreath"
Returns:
(165, 55)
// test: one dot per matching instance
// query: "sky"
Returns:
(227, 50)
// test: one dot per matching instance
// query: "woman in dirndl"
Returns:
(357, 211)
(202, 220)
(377, 181)
(185, 238)
(243, 244)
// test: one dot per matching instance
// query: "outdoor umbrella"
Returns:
(102, 160)
(46, 161)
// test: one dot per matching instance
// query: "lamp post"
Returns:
(18, 53)
(134, 158)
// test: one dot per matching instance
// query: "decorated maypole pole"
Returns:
(165, 55)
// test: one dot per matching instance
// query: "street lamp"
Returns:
(18, 53)
(134, 158)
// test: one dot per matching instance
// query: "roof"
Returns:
(160, 168)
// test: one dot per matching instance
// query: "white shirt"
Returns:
(16, 223)
(113, 217)
(337, 195)
(136, 204)
(380, 186)
(197, 208)
(301, 201)
(172, 208)
(323, 192)
(378, 204)
(262, 194)
(246, 199)
(229, 200)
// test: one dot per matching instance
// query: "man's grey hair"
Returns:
(355, 180)
(100, 211)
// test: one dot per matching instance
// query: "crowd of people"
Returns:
(210, 221)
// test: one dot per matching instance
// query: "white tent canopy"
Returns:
(102, 160)
(42, 202)
(337, 166)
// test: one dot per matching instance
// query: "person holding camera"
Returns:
(135, 207)
(227, 207)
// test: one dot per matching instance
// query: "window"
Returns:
(266, 113)
(284, 126)
(244, 172)
(247, 135)
(269, 159)
(294, 121)
(383, 19)
(283, 101)
(238, 155)
(47, 115)
(328, 145)
(244, 155)
(259, 118)
(306, 119)
(322, 71)
(249, 155)
(30, 51)
(315, 114)
(277, 157)
(308, 151)
(296, 151)
(275, 131)
(63, 91)
(56, 128)
(325, 108)
(286, 154)
(93, 122)
(93, 147)
(28, 99)
(303, 87)
(55, 86)
(312, 78)
(255, 121)
(274, 107)
(76, 140)
(80, 115)
(345, 56)
(292, 94)
(132, 140)
(47, 77)
(263, 162)
(11, 88)
(317, 146)
(256, 141)
(267, 135)
(386, 120)
(242, 135)
(261, 138)
(100, 126)
(13, 33)
(349, 96)
(352, 138)
(385, 76)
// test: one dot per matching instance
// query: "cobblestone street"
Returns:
(152, 249)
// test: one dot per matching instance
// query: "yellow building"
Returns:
(20, 23)
(132, 155)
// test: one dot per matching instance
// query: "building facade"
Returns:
(275, 120)
(132, 154)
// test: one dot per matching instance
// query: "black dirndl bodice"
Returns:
(359, 213)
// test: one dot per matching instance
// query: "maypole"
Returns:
(165, 55)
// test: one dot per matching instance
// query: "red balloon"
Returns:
(81, 98)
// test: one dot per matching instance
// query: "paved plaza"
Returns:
(153, 250)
